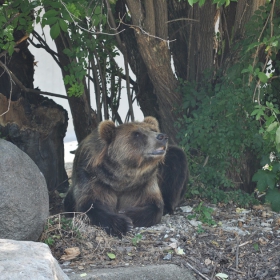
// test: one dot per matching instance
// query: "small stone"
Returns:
(186, 209)
(195, 223)
(265, 224)
(168, 257)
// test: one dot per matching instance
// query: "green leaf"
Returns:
(55, 30)
(244, 71)
(191, 2)
(272, 126)
(273, 196)
(201, 2)
(49, 21)
(63, 25)
(262, 76)
(264, 180)
(22, 21)
(278, 148)
(277, 136)
(50, 13)
(111, 256)
(38, 19)
(222, 276)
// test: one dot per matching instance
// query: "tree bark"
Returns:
(150, 33)
(145, 90)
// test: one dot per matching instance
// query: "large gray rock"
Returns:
(27, 260)
(24, 201)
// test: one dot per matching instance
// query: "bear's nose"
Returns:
(162, 136)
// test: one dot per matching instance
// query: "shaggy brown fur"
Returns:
(115, 176)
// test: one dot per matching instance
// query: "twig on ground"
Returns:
(196, 271)
(214, 269)
(237, 253)
(236, 270)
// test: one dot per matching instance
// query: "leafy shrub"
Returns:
(232, 121)
(217, 134)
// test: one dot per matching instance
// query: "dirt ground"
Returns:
(229, 242)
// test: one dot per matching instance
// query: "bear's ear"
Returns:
(106, 130)
(153, 122)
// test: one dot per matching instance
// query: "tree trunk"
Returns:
(145, 90)
(235, 15)
(84, 118)
(154, 50)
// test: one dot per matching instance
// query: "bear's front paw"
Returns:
(120, 225)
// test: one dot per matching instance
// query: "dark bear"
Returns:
(117, 172)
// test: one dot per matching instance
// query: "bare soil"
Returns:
(243, 243)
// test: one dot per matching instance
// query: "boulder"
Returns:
(27, 260)
(24, 201)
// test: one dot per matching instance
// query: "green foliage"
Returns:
(267, 180)
(216, 134)
(136, 239)
(266, 94)
(256, 247)
(57, 227)
(200, 229)
(111, 256)
(85, 24)
(49, 241)
(203, 214)
(222, 126)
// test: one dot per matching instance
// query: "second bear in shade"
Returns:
(127, 176)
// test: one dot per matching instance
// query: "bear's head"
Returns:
(134, 144)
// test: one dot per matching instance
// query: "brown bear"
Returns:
(126, 176)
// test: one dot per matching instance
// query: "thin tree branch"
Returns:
(97, 89)
(45, 46)
(10, 20)
(179, 19)
(11, 85)
(103, 88)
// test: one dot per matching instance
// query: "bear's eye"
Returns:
(137, 134)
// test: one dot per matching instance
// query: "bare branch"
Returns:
(73, 17)
(179, 19)
(45, 46)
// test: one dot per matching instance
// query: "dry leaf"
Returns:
(179, 251)
(70, 253)
(173, 245)
(262, 241)
(258, 207)
(215, 243)
(99, 239)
